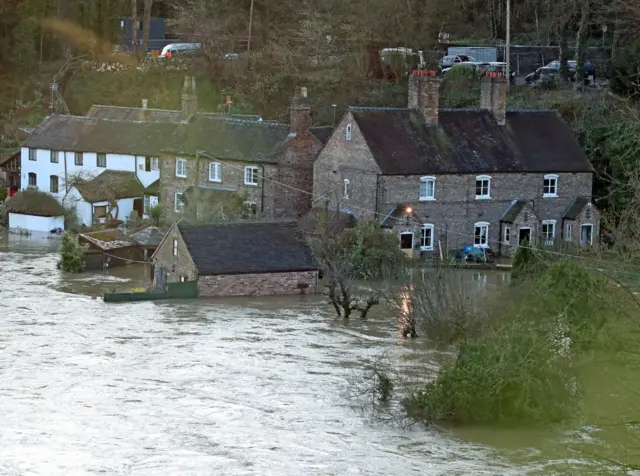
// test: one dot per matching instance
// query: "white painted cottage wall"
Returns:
(35, 223)
(84, 209)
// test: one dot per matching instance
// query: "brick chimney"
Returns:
(493, 95)
(189, 97)
(424, 94)
(300, 112)
(144, 112)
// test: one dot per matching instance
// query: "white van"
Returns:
(179, 49)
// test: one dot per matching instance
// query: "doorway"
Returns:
(524, 236)
(406, 243)
(586, 235)
(138, 206)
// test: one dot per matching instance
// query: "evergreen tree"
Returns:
(71, 254)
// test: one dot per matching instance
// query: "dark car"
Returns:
(553, 69)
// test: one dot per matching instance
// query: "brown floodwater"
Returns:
(237, 386)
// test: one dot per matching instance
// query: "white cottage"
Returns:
(34, 211)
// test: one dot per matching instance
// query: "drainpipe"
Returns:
(262, 191)
(377, 194)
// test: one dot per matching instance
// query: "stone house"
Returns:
(239, 259)
(447, 178)
(268, 163)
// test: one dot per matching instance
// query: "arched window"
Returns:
(481, 234)
(550, 186)
(427, 188)
(483, 187)
(426, 237)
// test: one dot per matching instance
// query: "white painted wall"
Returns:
(84, 209)
(44, 168)
(35, 223)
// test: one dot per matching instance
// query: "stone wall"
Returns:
(232, 177)
(263, 284)
(526, 219)
(588, 216)
(342, 159)
(175, 266)
(455, 210)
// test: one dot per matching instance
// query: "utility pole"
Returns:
(249, 35)
(508, 40)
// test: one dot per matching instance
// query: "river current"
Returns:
(212, 387)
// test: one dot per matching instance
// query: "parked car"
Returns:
(553, 69)
(180, 49)
(480, 68)
(450, 60)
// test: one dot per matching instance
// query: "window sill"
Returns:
(426, 248)
(181, 176)
(251, 184)
(427, 199)
(481, 246)
(215, 180)
(483, 197)
(549, 195)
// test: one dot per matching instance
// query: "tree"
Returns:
(71, 253)
(146, 22)
(134, 30)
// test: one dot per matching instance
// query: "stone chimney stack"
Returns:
(424, 94)
(189, 97)
(300, 112)
(144, 112)
(493, 95)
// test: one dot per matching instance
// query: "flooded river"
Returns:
(230, 387)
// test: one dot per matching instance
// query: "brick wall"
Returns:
(263, 284)
(455, 209)
(526, 219)
(232, 177)
(175, 266)
(342, 159)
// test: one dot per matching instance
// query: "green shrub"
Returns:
(371, 252)
(71, 253)
(461, 87)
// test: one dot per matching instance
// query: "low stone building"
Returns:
(448, 178)
(239, 259)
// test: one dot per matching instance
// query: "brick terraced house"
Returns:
(239, 259)
(447, 178)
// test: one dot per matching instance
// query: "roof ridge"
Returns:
(377, 108)
(235, 120)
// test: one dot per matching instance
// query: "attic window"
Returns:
(347, 132)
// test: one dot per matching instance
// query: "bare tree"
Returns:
(134, 30)
(146, 23)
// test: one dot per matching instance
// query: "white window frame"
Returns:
(592, 228)
(507, 235)
(347, 132)
(427, 226)
(55, 156)
(175, 247)
(345, 194)
(553, 194)
(155, 163)
(33, 154)
(178, 205)
(248, 174)
(568, 231)
(481, 224)
(216, 168)
(553, 234)
(98, 155)
(425, 181)
(146, 200)
(413, 239)
(181, 173)
(483, 178)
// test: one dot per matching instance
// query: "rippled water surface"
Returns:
(230, 387)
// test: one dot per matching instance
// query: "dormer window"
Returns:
(550, 186)
(427, 188)
(483, 187)
(346, 189)
(347, 132)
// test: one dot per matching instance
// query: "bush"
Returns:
(518, 368)
(71, 253)
(625, 70)
(461, 88)
(157, 215)
(3, 193)
(371, 252)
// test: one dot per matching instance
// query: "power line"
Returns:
(380, 214)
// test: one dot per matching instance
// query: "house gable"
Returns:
(178, 266)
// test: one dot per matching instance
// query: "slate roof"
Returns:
(513, 211)
(120, 113)
(150, 236)
(252, 247)
(227, 138)
(575, 208)
(111, 184)
(321, 133)
(86, 134)
(469, 141)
